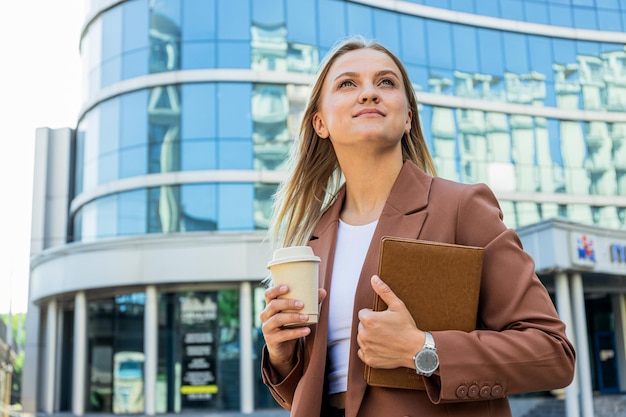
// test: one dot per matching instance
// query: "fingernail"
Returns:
(304, 316)
(299, 304)
(283, 288)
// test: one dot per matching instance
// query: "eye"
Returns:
(388, 81)
(346, 83)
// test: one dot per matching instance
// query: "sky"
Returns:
(40, 86)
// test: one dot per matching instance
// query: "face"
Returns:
(363, 101)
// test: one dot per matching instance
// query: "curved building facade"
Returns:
(149, 216)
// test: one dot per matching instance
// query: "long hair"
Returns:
(314, 175)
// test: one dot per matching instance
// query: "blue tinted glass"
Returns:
(135, 25)
(133, 162)
(135, 64)
(515, 53)
(111, 71)
(386, 30)
(134, 119)
(541, 56)
(465, 51)
(166, 13)
(301, 21)
(413, 44)
(199, 20)
(233, 55)
(235, 19)
(564, 51)
(236, 206)
(462, 5)
(199, 154)
(425, 113)
(437, 3)
(198, 111)
(560, 15)
(585, 18)
(79, 162)
(610, 20)
(513, 9)
(550, 99)
(234, 110)
(439, 44)
(588, 48)
(108, 167)
(331, 22)
(106, 212)
(583, 3)
(418, 74)
(199, 55)
(536, 12)
(109, 126)
(235, 154)
(111, 33)
(488, 8)
(490, 52)
(132, 212)
(609, 4)
(359, 20)
(268, 12)
(77, 233)
(199, 203)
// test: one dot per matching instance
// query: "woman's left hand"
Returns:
(388, 339)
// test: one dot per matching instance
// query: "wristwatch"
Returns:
(426, 360)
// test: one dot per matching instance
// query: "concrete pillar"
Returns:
(582, 345)
(619, 313)
(150, 348)
(51, 356)
(79, 372)
(246, 378)
(564, 307)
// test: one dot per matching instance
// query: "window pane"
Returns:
(106, 221)
(541, 56)
(236, 206)
(233, 54)
(536, 12)
(199, 203)
(515, 53)
(488, 8)
(133, 161)
(610, 20)
(134, 119)
(135, 64)
(359, 20)
(585, 18)
(199, 20)
(111, 33)
(199, 55)
(386, 29)
(235, 154)
(109, 126)
(462, 5)
(413, 45)
(465, 54)
(132, 216)
(135, 25)
(331, 22)
(439, 44)
(301, 21)
(198, 111)
(199, 155)
(237, 14)
(513, 9)
(268, 12)
(560, 15)
(234, 110)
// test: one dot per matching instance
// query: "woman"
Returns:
(360, 171)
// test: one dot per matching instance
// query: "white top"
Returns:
(352, 245)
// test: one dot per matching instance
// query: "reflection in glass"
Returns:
(164, 35)
(115, 354)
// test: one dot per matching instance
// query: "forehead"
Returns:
(362, 60)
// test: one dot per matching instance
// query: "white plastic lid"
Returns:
(293, 254)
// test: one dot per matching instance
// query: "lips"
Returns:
(369, 112)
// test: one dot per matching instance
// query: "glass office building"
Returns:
(149, 215)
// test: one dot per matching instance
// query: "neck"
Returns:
(368, 184)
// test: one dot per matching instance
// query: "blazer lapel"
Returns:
(403, 216)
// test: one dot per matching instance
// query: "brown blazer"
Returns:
(519, 345)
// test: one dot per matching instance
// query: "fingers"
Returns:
(386, 294)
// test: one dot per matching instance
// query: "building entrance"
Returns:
(600, 322)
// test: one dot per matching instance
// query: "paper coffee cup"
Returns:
(297, 267)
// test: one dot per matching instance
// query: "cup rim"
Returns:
(311, 258)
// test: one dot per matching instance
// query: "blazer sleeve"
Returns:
(520, 343)
(282, 390)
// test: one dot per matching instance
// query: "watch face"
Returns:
(427, 361)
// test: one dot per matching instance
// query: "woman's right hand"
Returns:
(280, 340)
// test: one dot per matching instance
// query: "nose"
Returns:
(369, 93)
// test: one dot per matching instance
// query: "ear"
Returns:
(319, 126)
(407, 125)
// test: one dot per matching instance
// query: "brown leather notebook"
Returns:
(440, 285)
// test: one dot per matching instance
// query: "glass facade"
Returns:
(496, 107)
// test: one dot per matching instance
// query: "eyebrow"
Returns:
(378, 74)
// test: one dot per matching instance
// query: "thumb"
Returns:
(385, 293)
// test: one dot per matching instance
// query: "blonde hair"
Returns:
(314, 175)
